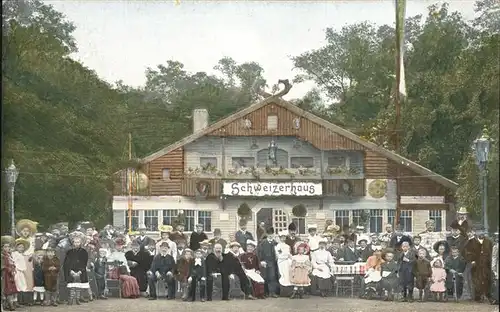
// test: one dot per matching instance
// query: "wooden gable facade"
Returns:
(166, 168)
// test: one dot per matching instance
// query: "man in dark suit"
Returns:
(349, 253)
(143, 240)
(461, 223)
(406, 260)
(242, 235)
(267, 256)
(398, 238)
(163, 267)
(213, 263)
(197, 237)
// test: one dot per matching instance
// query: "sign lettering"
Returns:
(272, 189)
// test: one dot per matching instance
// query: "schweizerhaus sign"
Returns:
(272, 189)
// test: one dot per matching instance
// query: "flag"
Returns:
(400, 37)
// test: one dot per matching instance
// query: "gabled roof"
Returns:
(302, 113)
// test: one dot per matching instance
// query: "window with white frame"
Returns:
(391, 217)
(356, 217)
(243, 162)
(272, 122)
(191, 218)
(302, 162)
(376, 220)
(300, 223)
(135, 220)
(166, 174)
(280, 220)
(437, 216)
(205, 218)
(342, 218)
(151, 220)
(406, 220)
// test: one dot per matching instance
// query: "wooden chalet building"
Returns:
(273, 156)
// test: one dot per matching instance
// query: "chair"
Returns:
(114, 286)
(343, 284)
(161, 288)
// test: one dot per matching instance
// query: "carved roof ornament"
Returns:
(296, 123)
(258, 85)
(297, 143)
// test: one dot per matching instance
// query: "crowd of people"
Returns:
(78, 266)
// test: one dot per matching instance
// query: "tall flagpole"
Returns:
(400, 16)
(129, 181)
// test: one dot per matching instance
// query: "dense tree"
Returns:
(452, 77)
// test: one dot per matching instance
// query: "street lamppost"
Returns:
(481, 148)
(11, 174)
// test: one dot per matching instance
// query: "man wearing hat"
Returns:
(292, 238)
(163, 267)
(349, 253)
(165, 231)
(143, 239)
(478, 253)
(267, 256)
(197, 237)
(313, 238)
(363, 250)
(242, 235)
(398, 238)
(178, 234)
(217, 239)
(460, 223)
(139, 262)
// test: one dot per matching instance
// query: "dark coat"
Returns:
(458, 241)
(146, 241)
(231, 264)
(463, 228)
(212, 264)
(197, 271)
(481, 254)
(196, 239)
(51, 276)
(291, 242)
(182, 269)
(76, 260)
(266, 252)
(38, 275)
(249, 260)
(406, 276)
(349, 255)
(365, 253)
(163, 264)
(242, 238)
(395, 243)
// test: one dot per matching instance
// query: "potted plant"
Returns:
(244, 211)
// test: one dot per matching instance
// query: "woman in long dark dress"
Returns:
(75, 268)
(139, 262)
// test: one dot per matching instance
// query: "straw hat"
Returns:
(233, 244)
(165, 228)
(206, 242)
(24, 242)
(251, 242)
(7, 240)
(25, 223)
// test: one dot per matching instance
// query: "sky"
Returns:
(120, 39)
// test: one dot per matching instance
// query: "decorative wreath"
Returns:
(299, 211)
(345, 188)
(203, 187)
(377, 188)
(244, 210)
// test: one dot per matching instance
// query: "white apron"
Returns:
(372, 276)
(19, 277)
(254, 276)
(321, 261)
(284, 262)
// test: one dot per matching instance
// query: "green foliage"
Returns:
(452, 78)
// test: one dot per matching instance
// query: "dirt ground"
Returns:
(312, 304)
